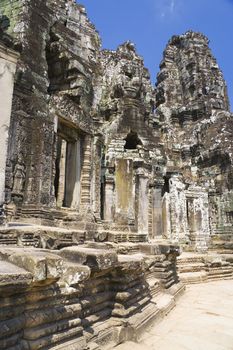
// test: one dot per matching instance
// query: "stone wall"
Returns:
(95, 147)
(193, 112)
(53, 84)
(8, 60)
(81, 295)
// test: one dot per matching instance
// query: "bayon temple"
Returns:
(114, 194)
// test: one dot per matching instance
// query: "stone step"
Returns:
(193, 277)
(109, 346)
(95, 346)
(222, 251)
(220, 272)
(155, 291)
(165, 302)
(220, 277)
(192, 267)
(75, 344)
(153, 282)
(189, 260)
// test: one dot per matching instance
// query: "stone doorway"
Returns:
(68, 166)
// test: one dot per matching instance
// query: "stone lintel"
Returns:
(8, 54)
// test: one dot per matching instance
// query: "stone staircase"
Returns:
(197, 268)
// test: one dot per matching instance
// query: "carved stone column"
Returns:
(125, 196)
(97, 178)
(73, 174)
(62, 177)
(109, 197)
(142, 200)
(166, 215)
(192, 222)
(86, 173)
(77, 187)
(178, 208)
(214, 210)
(157, 220)
(8, 60)
(198, 217)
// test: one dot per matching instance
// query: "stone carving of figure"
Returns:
(19, 177)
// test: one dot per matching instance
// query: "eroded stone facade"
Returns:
(94, 144)
(8, 59)
(196, 125)
(105, 178)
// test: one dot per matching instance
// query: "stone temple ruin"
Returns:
(105, 180)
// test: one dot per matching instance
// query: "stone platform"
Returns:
(60, 290)
(197, 268)
(83, 296)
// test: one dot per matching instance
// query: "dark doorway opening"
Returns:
(132, 140)
(166, 187)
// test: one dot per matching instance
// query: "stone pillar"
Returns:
(8, 60)
(86, 173)
(157, 223)
(220, 212)
(213, 210)
(150, 211)
(76, 198)
(178, 209)
(97, 178)
(191, 216)
(125, 196)
(62, 175)
(198, 217)
(109, 198)
(73, 174)
(166, 216)
(143, 203)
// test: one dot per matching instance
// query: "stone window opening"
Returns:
(67, 172)
(132, 141)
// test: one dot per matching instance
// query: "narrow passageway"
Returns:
(202, 320)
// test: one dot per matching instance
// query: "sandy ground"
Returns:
(202, 320)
